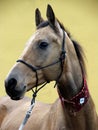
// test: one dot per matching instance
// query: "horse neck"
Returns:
(69, 85)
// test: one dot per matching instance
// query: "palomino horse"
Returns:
(50, 55)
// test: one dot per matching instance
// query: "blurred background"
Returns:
(17, 24)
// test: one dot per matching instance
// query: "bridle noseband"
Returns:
(60, 60)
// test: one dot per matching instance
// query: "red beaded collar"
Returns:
(79, 100)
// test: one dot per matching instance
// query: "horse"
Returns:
(50, 55)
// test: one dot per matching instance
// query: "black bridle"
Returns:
(35, 69)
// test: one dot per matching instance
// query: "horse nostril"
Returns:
(11, 84)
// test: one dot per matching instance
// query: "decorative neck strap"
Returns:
(79, 100)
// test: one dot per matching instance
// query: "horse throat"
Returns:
(71, 80)
(70, 85)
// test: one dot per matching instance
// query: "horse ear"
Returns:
(38, 18)
(50, 15)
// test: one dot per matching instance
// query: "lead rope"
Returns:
(29, 112)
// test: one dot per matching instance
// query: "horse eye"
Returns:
(43, 45)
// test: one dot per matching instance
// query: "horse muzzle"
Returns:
(13, 90)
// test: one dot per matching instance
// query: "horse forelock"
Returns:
(43, 24)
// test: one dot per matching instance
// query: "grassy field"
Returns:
(17, 24)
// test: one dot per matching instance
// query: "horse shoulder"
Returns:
(3, 112)
(8, 108)
(12, 114)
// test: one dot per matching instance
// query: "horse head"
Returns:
(41, 57)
